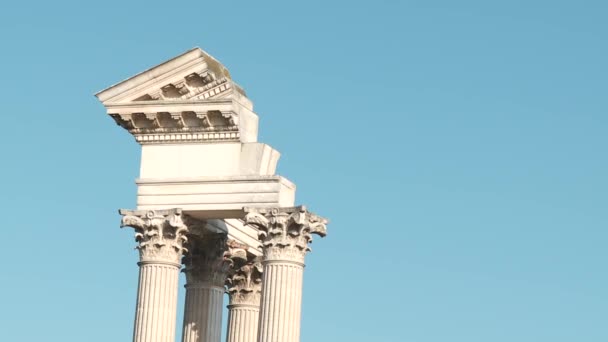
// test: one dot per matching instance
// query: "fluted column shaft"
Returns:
(203, 313)
(281, 302)
(285, 234)
(160, 235)
(206, 269)
(155, 316)
(243, 322)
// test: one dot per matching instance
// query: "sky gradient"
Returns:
(458, 149)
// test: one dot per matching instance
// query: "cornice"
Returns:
(218, 179)
(180, 126)
(194, 58)
(160, 105)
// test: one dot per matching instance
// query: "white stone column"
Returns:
(285, 234)
(206, 270)
(160, 235)
(244, 285)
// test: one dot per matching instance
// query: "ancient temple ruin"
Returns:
(209, 202)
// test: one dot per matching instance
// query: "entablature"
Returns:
(186, 121)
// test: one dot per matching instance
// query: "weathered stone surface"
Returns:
(285, 234)
(198, 136)
(208, 197)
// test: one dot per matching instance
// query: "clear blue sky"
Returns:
(458, 147)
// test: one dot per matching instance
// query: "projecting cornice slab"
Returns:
(190, 75)
(215, 197)
(186, 120)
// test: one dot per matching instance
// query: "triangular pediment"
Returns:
(194, 75)
(189, 98)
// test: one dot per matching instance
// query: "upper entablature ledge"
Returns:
(193, 75)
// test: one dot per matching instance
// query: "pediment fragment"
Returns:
(188, 98)
(194, 86)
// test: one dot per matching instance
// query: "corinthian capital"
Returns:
(160, 234)
(244, 281)
(206, 262)
(285, 232)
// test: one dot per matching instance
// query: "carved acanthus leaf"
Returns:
(244, 281)
(206, 261)
(160, 234)
(285, 233)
